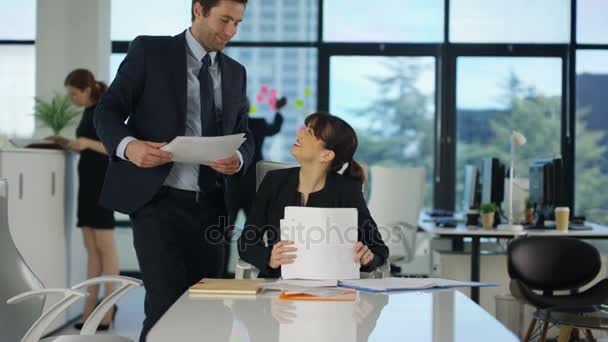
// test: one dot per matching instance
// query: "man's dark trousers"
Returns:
(178, 238)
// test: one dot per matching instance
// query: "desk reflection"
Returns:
(445, 316)
(271, 319)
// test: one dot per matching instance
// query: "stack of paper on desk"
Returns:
(325, 239)
(204, 150)
(283, 284)
(407, 284)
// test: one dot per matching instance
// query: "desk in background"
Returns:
(416, 316)
(476, 233)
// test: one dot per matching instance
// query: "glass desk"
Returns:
(434, 316)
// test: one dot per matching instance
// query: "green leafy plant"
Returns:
(488, 208)
(56, 114)
(529, 203)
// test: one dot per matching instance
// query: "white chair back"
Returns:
(17, 278)
(396, 198)
(262, 167)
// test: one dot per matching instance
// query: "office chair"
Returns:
(25, 321)
(396, 199)
(244, 270)
(550, 264)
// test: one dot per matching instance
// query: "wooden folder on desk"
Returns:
(226, 286)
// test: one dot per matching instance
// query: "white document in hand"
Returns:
(325, 239)
(204, 150)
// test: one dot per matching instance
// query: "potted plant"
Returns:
(56, 114)
(529, 211)
(487, 215)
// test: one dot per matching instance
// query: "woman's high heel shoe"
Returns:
(100, 327)
(104, 327)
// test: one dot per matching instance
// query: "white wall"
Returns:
(70, 34)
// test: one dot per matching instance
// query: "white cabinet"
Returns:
(36, 212)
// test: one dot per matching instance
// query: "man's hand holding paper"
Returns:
(228, 166)
(219, 153)
(147, 154)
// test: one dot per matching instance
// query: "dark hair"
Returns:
(209, 4)
(83, 79)
(338, 136)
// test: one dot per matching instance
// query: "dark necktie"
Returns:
(207, 178)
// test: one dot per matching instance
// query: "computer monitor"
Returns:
(493, 181)
(547, 189)
(471, 193)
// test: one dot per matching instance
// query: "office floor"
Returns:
(129, 317)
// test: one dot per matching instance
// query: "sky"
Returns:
(479, 79)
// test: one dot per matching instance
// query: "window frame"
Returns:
(446, 54)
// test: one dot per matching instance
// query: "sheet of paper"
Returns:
(388, 284)
(298, 285)
(204, 150)
(405, 284)
(325, 239)
(309, 283)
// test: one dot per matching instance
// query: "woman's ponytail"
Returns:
(354, 170)
(98, 91)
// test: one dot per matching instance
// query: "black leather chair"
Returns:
(539, 266)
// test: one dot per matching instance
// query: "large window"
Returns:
(592, 135)
(17, 89)
(133, 18)
(388, 21)
(265, 20)
(498, 95)
(17, 68)
(390, 103)
(276, 72)
(18, 20)
(592, 26)
(505, 71)
(279, 20)
(513, 21)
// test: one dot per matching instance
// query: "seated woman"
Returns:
(325, 146)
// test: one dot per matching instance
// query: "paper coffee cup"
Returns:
(562, 217)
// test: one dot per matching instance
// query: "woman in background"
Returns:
(97, 223)
(324, 147)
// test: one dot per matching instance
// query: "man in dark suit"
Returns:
(168, 87)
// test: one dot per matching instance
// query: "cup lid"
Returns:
(562, 209)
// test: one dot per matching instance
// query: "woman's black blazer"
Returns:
(278, 190)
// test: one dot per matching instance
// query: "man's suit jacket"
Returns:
(278, 190)
(150, 90)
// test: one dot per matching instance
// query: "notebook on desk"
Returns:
(226, 286)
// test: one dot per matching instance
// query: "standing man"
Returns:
(168, 87)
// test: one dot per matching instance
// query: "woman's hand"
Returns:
(59, 140)
(363, 255)
(78, 144)
(280, 256)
